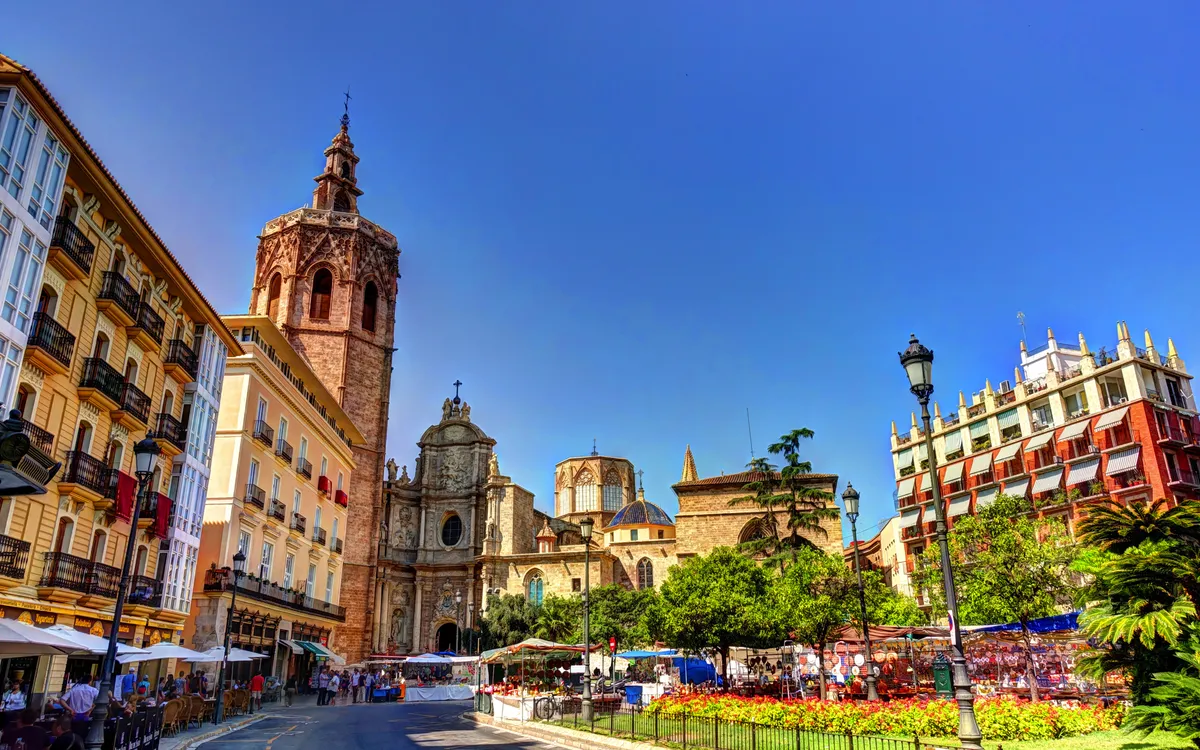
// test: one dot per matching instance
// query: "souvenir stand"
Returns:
(532, 668)
(650, 674)
(435, 679)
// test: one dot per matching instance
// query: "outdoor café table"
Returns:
(210, 709)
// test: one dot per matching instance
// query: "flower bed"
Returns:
(1000, 718)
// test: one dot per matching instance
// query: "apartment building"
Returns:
(1072, 428)
(114, 325)
(278, 494)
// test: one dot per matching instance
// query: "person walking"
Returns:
(334, 683)
(256, 690)
(289, 689)
(323, 687)
(355, 679)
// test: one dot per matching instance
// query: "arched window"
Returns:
(143, 555)
(26, 401)
(452, 529)
(273, 290)
(83, 437)
(168, 402)
(535, 590)
(322, 290)
(47, 301)
(370, 302)
(65, 535)
(612, 491)
(99, 545)
(131, 371)
(100, 350)
(341, 202)
(585, 491)
(116, 452)
(645, 574)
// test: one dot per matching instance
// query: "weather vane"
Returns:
(346, 109)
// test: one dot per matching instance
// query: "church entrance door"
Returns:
(447, 637)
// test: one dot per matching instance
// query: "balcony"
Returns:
(119, 495)
(181, 362)
(1002, 399)
(118, 299)
(318, 537)
(67, 578)
(1171, 436)
(304, 468)
(84, 478)
(1034, 386)
(263, 433)
(147, 328)
(283, 451)
(41, 439)
(255, 496)
(337, 546)
(50, 344)
(144, 596)
(134, 409)
(149, 511)
(299, 524)
(14, 561)
(70, 250)
(221, 581)
(341, 498)
(324, 485)
(903, 439)
(101, 385)
(976, 410)
(170, 434)
(276, 511)
(1185, 477)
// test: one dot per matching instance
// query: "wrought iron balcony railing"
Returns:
(255, 496)
(116, 288)
(100, 375)
(72, 241)
(50, 335)
(179, 353)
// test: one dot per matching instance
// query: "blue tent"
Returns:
(645, 654)
(693, 671)
(1069, 621)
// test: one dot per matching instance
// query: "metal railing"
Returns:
(77, 574)
(149, 321)
(135, 402)
(14, 557)
(179, 353)
(117, 289)
(221, 580)
(83, 469)
(263, 433)
(299, 523)
(100, 375)
(143, 590)
(52, 337)
(255, 496)
(276, 510)
(43, 439)
(283, 449)
(170, 429)
(74, 243)
(615, 718)
(337, 546)
(304, 468)
(318, 537)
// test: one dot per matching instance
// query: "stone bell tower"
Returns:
(327, 277)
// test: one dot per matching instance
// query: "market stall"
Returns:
(436, 679)
(532, 669)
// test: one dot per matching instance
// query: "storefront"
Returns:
(253, 631)
(302, 650)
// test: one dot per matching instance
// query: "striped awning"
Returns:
(922, 452)
(953, 442)
(985, 497)
(904, 458)
(1111, 419)
(291, 645)
(980, 464)
(1006, 419)
(1123, 461)
(906, 487)
(312, 648)
(1008, 452)
(953, 473)
(925, 482)
(959, 506)
(1048, 481)
(1084, 471)
(1073, 431)
(979, 429)
(1039, 441)
(1017, 487)
(909, 517)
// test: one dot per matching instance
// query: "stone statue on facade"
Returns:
(493, 466)
(391, 469)
(404, 473)
(466, 412)
(447, 408)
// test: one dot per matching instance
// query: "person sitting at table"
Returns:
(26, 730)
(14, 699)
(64, 737)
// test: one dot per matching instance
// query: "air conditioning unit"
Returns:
(1005, 386)
(1058, 459)
(1094, 450)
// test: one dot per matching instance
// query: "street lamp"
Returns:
(850, 498)
(457, 621)
(239, 569)
(145, 453)
(585, 530)
(918, 364)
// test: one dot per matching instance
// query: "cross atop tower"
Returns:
(456, 385)
(640, 473)
(346, 109)
(594, 453)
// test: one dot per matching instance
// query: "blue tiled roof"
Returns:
(641, 513)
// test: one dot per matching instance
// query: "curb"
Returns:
(227, 729)
(570, 738)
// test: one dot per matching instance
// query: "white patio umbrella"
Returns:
(19, 639)
(217, 653)
(162, 651)
(92, 643)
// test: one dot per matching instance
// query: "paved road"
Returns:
(371, 727)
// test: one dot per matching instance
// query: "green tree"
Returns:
(886, 606)
(1007, 567)
(509, 619)
(560, 619)
(714, 602)
(618, 612)
(1174, 700)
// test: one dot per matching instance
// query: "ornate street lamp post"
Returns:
(145, 453)
(239, 569)
(918, 364)
(585, 530)
(850, 498)
(457, 621)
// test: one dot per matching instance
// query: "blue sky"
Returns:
(632, 221)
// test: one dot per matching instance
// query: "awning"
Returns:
(1048, 481)
(1073, 431)
(312, 648)
(959, 506)
(1039, 441)
(906, 487)
(953, 442)
(1010, 418)
(953, 473)
(1084, 471)
(979, 429)
(925, 482)
(922, 452)
(1111, 419)
(904, 459)
(1008, 452)
(909, 517)
(1017, 487)
(1123, 461)
(292, 645)
(980, 464)
(985, 497)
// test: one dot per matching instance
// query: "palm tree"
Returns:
(1116, 528)
(761, 535)
(806, 506)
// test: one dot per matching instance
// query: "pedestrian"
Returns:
(334, 683)
(80, 699)
(289, 689)
(180, 685)
(126, 685)
(355, 680)
(256, 688)
(369, 684)
(323, 687)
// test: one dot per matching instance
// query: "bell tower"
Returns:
(327, 278)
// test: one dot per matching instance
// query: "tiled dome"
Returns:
(641, 513)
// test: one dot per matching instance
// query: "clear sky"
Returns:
(632, 221)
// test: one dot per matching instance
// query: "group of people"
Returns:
(25, 732)
(355, 685)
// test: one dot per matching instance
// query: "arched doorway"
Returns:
(447, 637)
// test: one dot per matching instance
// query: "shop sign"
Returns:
(37, 619)
(102, 628)
(155, 636)
(324, 640)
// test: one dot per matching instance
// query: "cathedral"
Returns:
(424, 549)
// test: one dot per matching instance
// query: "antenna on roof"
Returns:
(750, 433)
(594, 453)
(1021, 320)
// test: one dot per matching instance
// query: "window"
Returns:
(26, 401)
(452, 529)
(289, 567)
(1041, 416)
(612, 495)
(370, 303)
(329, 588)
(26, 272)
(322, 290)
(262, 410)
(564, 501)
(660, 534)
(16, 143)
(535, 590)
(633, 535)
(275, 487)
(339, 483)
(253, 478)
(340, 202)
(645, 574)
(576, 584)
(273, 290)
(244, 543)
(344, 170)
(303, 448)
(333, 531)
(296, 502)
(47, 181)
(282, 433)
(65, 535)
(1076, 404)
(317, 520)
(1113, 389)
(324, 467)
(83, 438)
(1175, 393)
(116, 452)
(99, 545)
(6, 222)
(585, 491)
(10, 365)
(310, 583)
(268, 555)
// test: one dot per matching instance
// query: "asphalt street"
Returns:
(395, 726)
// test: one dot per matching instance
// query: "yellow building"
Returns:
(113, 327)
(276, 423)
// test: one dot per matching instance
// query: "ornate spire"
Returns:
(337, 187)
(1149, 341)
(1171, 353)
(1017, 375)
(1083, 344)
(689, 466)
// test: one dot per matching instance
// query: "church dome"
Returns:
(641, 512)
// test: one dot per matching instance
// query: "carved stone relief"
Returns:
(455, 470)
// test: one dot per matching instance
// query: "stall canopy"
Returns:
(646, 654)
(428, 659)
(162, 651)
(320, 651)
(693, 671)
(19, 639)
(1054, 623)
(530, 647)
(217, 653)
(94, 643)
(851, 634)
